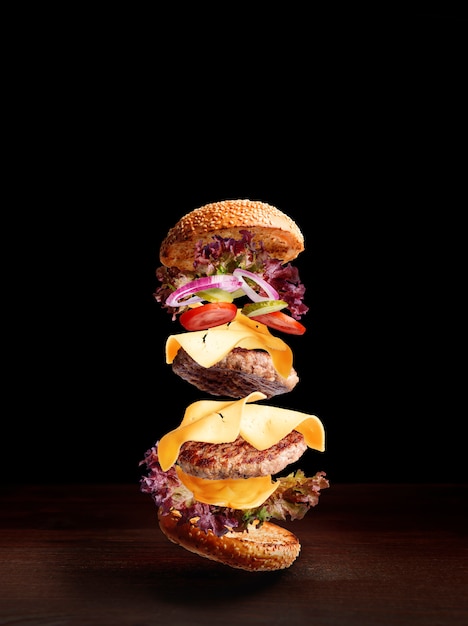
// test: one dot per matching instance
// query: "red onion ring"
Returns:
(251, 293)
(228, 282)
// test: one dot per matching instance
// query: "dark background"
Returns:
(356, 139)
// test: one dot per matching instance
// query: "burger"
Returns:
(227, 277)
(218, 480)
(212, 481)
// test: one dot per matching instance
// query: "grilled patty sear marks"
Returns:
(239, 459)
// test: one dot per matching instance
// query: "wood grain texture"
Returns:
(371, 554)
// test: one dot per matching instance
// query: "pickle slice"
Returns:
(263, 307)
(215, 294)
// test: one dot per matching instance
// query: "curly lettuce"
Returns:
(294, 496)
(223, 256)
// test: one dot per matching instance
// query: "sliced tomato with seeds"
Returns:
(208, 315)
(282, 322)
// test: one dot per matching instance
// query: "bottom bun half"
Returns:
(265, 549)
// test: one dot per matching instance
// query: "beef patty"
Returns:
(236, 375)
(239, 459)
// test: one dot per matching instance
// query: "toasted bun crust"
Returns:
(267, 549)
(280, 235)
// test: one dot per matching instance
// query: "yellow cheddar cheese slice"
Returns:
(235, 493)
(214, 421)
(207, 347)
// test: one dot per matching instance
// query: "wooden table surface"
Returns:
(371, 555)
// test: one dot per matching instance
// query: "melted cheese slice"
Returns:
(236, 493)
(262, 426)
(207, 347)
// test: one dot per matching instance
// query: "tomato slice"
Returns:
(281, 321)
(208, 315)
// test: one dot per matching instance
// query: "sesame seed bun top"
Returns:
(279, 234)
